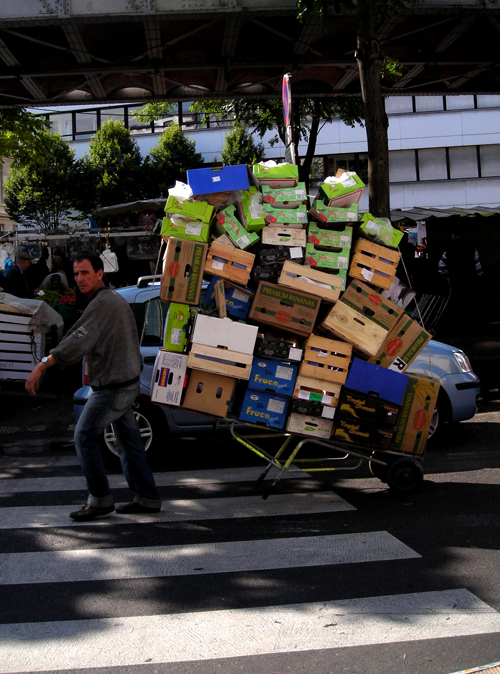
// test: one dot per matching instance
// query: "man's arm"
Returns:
(34, 378)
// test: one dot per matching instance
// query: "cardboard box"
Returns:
(209, 393)
(176, 335)
(281, 253)
(327, 214)
(320, 257)
(285, 197)
(363, 318)
(347, 191)
(226, 221)
(415, 416)
(311, 408)
(282, 175)
(183, 267)
(218, 179)
(379, 231)
(357, 405)
(238, 299)
(308, 425)
(278, 216)
(275, 236)
(373, 263)
(268, 272)
(265, 409)
(377, 381)
(285, 309)
(169, 378)
(225, 334)
(310, 280)
(402, 345)
(282, 348)
(273, 375)
(326, 237)
(182, 228)
(362, 432)
(250, 210)
(326, 359)
(192, 210)
(229, 263)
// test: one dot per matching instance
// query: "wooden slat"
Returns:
(353, 327)
(20, 339)
(15, 366)
(220, 361)
(16, 375)
(305, 386)
(323, 285)
(18, 318)
(229, 263)
(18, 356)
(20, 348)
(321, 355)
(15, 328)
(374, 264)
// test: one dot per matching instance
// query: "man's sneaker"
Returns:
(89, 512)
(134, 508)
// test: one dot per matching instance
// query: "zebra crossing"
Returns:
(215, 575)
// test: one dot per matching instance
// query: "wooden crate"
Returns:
(20, 348)
(309, 388)
(321, 355)
(374, 264)
(347, 323)
(307, 279)
(229, 263)
(220, 361)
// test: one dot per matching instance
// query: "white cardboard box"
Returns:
(225, 333)
(169, 378)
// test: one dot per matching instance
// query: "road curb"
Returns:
(493, 668)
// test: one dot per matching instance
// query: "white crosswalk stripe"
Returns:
(47, 549)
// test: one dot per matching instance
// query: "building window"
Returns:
(432, 164)
(85, 124)
(402, 167)
(113, 114)
(459, 102)
(357, 162)
(398, 104)
(490, 160)
(428, 103)
(463, 162)
(62, 124)
(488, 101)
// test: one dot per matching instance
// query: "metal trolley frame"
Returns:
(402, 472)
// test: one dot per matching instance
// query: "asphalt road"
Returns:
(329, 574)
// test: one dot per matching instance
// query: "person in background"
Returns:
(17, 282)
(106, 334)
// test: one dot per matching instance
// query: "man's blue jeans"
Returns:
(114, 406)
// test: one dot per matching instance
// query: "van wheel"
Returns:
(149, 419)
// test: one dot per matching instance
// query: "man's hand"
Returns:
(34, 379)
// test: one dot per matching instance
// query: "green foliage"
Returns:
(169, 160)
(115, 162)
(240, 148)
(43, 194)
(150, 112)
(22, 135)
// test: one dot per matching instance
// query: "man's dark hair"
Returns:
(95, 260)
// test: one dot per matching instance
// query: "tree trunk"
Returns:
(376, 121)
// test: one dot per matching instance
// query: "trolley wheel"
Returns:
(405, 476)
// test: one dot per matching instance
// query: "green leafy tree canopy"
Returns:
(22, 135)
(240, 148)
(169, 160)
(43, 195)
(115, 161)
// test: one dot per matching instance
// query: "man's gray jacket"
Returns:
(107, 334)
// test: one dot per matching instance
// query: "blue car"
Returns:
(457, 401)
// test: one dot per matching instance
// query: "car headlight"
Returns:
(462, 361)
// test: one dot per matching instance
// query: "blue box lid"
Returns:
(218, 179)
(377, 381)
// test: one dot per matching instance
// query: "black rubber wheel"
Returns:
(405, 476)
